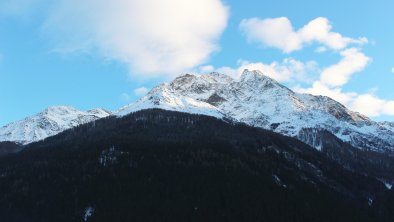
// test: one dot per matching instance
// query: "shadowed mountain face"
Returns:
(157, 165)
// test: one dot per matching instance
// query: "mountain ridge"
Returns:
(51, 121)
(254, 99)
(260, 101)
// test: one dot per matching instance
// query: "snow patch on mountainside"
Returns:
(51, 121)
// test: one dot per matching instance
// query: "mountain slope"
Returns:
(50, 122)
(164, 97)
(156, 165)
(260, 101)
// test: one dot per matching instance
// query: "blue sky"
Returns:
(103, 53)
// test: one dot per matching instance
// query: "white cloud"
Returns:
(335, 76)
(279, 33)
(319, 88)
(152, 37)
(371, 105)
(141, 91)
(367, 104)
(353, 61)
(392, 70)
(319, 30)
(287, 70)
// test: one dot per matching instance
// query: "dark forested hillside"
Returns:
(157, 165)
(376, 164)
(9, 148)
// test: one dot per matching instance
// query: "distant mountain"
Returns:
(157, 165)
(49, 122)
(258, 100)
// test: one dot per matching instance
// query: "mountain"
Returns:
(49, 122)
(258, 100)
(254, 99)
(157, 165)
(200, 148)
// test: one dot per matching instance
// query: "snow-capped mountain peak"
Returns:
(49, 122)
(258, 100)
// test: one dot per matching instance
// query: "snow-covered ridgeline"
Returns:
(51, 121)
